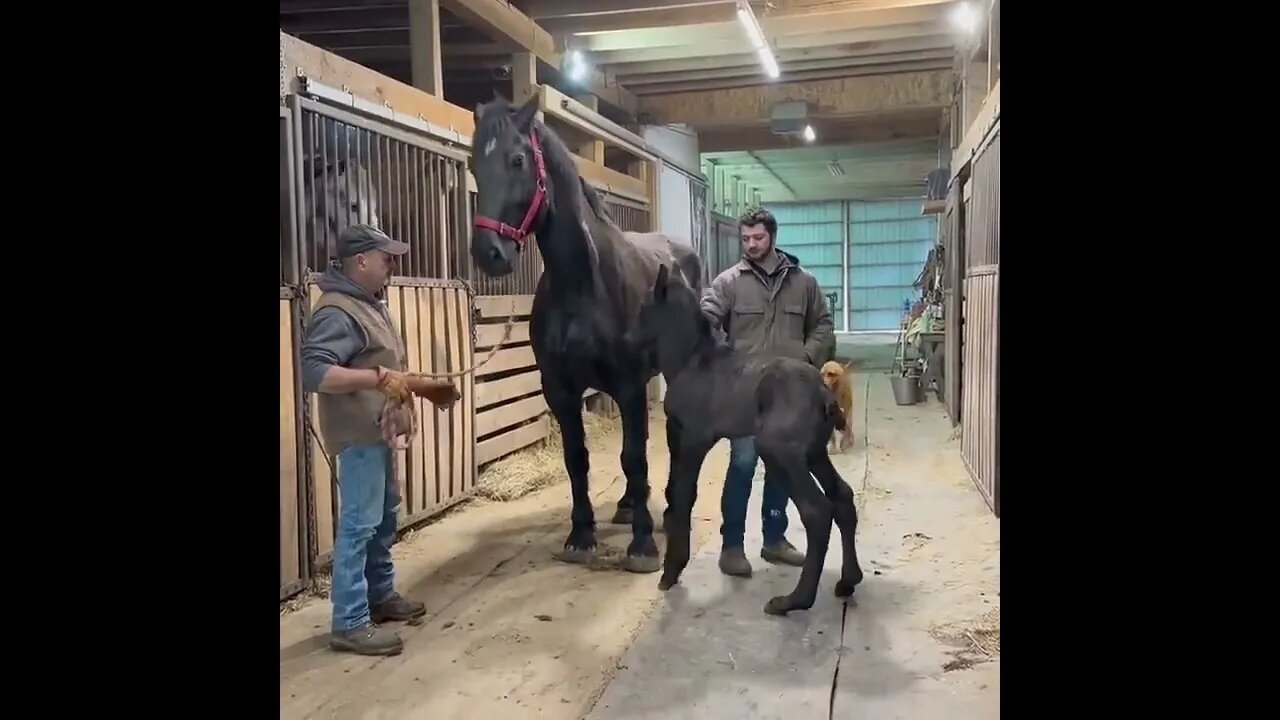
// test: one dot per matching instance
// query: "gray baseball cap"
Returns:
(356, 239)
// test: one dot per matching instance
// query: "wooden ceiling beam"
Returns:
(835, 98)
(539, 9)
(715, 48)
(573, 24)
(504, 22)
(743, 81)
(872, 130)
(940, 57)
(830, 52)
(775, 28)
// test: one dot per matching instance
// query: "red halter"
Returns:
(539, 194)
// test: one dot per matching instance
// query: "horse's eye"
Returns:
(517, 160)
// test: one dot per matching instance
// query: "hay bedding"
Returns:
(977, 641)
(542, 464)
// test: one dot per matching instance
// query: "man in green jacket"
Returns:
(766, 305)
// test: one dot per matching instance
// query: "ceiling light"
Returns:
(964, 17)
(809, 135)
(770, 64)
(751, 25)
(834, 168)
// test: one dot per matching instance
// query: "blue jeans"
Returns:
(737, 491)
(362, 570)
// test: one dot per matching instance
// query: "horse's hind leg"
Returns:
(846, 517)
(642, 554)
(566, 406)
(815, 513)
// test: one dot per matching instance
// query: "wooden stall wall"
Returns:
(433, 318)
(980, 417)
(510, 410)
(294, 555)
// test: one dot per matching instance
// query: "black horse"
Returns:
(596, 277)
(714, 392)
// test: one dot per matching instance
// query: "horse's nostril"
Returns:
(495, 253)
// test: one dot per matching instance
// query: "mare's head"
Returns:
(512, 186)
(344, 194)
(671, 319)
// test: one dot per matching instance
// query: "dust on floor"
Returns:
(509, 630)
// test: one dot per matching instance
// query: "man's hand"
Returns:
(401, 387)
(441, 393)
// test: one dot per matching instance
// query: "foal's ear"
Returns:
(524, 117)
(660, 285)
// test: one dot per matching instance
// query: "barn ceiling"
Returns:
(895, 168)
(883, 68)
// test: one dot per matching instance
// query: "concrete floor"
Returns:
(930, 550)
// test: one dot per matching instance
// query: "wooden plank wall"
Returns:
(293, 527)
(510, 411)
(439, 468)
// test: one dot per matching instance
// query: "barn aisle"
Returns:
(920, 639)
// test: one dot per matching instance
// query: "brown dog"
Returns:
(836, 377)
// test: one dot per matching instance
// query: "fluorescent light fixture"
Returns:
(752, 27)
(770, 65)
(964, 17)
(834, 168)
(809, 135)
(748, 20)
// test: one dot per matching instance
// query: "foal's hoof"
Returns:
(622, 516)
(844, 588)
(666, 583)
(780, 605)
(642, 564)
(576, 556)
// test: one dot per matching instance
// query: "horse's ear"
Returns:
(660, 285)
(524, 118)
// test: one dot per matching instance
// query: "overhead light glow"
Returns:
(964, 17)
(770, 64)
(576, 66)
(809, 135)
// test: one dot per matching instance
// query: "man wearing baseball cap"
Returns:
(354, 360)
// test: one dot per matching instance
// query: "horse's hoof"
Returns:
(844, 588)
(623, 516)
(780, 605)
(642, 564)
(666, 583)
(577, 556)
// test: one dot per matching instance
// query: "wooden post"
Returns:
(524, 77)
(589, 147)
(424, 46)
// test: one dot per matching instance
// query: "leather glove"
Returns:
(394, 385)
(441, 393)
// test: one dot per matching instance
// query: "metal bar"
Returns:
(381, 128)
(384, 111)
(301, 442)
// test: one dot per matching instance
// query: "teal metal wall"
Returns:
(811, 232)
(889, 241)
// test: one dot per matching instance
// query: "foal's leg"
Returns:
(846, 517)
(566, 406)
(815, 513)
(682, 492)
(642, 554)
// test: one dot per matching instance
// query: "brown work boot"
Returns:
(396, 607)
(733, 561)
(369, 639)
(783, 552)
